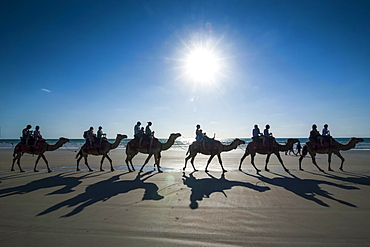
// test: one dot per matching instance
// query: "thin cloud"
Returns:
(46, 90)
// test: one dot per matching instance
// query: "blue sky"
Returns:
(69, 65)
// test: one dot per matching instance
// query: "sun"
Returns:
(202, 65)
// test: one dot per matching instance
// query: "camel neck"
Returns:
(286, 147)
(115, 143)
(351, 144)
(55, 146)
(168, 144)
(231, 146)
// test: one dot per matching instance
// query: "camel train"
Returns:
(261, 144)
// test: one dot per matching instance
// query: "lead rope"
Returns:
(68, 148)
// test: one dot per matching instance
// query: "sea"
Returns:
(180, 143)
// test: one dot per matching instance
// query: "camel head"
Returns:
(64, 140)
(175, 135)
(356, 140)
(119, 136)
(238, 142)
(292, 140)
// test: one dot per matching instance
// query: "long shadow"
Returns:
(203, 188)
(104, 190)
(305, 188)
(68, 183)
(353, 178)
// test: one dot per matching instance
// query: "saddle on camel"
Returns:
(30, 146)
(95, 145)
(208, 146)
(317, 145)
(145, 142)
(268, 144)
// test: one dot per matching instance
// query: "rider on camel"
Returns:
(26, 134)
(37, 135)
(90, 136)
(267, 135)
(149, 134)
(100, 135)
(326, 135)
(138, 132)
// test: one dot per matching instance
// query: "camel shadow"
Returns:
(104, 190)
(203, 188)
(68, 183)
(352, 178)
(308, 189)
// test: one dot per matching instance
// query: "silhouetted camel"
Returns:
(212, 148)
(39, 150)
(312, 148)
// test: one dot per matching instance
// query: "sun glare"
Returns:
(202, 65)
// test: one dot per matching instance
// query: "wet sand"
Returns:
(238, 208)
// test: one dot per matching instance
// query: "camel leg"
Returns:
(132, 165)
(128, 162)
(85, 158)
(158, 160)
(281, 161)
(130, 154)
(314, 162)
(242, 159)
(329, 162)
(18, 159)
(192, 161)
(101, 163)
(340, 157)
(111, 163)
(186, 161)
(252, 162)
(46, 162)
(300, 162)
(37, 161)
(219, 160)
(146, 161)
(267, 161)
(78, 163)
(209, 161)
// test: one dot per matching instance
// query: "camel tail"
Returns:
(78, 154)
(304, 150)
(188, 151)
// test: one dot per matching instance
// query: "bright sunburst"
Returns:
(202, 65)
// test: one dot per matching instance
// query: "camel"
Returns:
(132, 149)
(257, 147)
(335, 148)
(104, 149)
(40, 148)
(216, 149)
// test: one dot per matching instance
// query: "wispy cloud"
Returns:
(46, 90)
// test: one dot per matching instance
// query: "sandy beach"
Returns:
(238, 208)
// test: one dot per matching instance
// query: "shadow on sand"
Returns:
(308, 189)
(68, 183)
(104, 190)
(203, 188)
